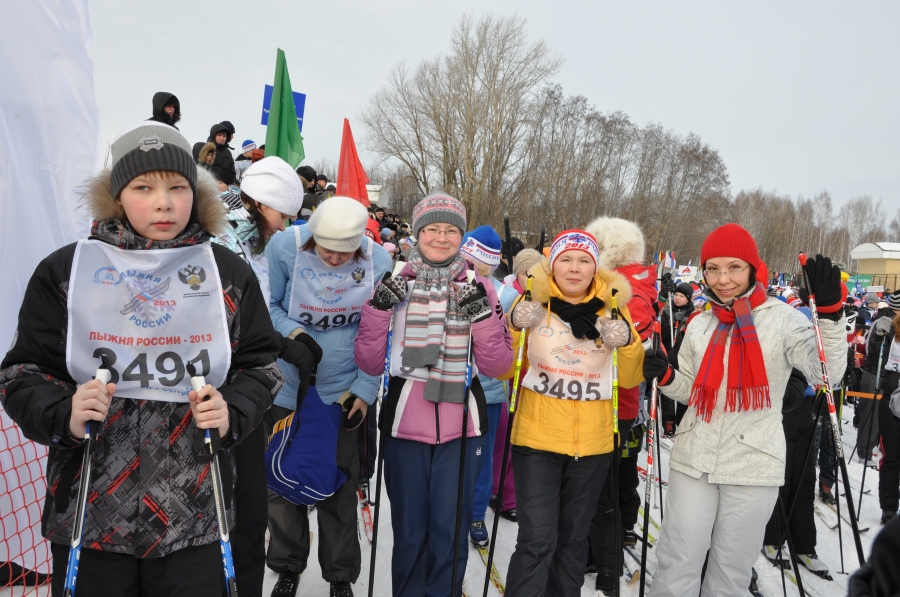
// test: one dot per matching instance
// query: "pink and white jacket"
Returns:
(405, 411)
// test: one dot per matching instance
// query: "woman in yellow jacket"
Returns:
(563, 431)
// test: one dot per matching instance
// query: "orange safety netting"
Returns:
(23, 551)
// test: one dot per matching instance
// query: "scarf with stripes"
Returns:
(748, 385)
(437, 331)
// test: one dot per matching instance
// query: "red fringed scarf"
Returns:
(748, 386)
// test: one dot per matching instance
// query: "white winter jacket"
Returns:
(747, 447)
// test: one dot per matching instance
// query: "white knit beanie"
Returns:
(338, 224)
(272, 182)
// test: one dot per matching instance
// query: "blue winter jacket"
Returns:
(337, 372)
(494, 389)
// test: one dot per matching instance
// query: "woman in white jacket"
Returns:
(728, 459)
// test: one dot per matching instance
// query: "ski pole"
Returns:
(862, 484)
(198, 382)
(793, 553)
(617, 455)
(835, 429)
(84, 486)
(513, 393)
(462, 456)
(659, 479)
(382, 387)
(648, 488)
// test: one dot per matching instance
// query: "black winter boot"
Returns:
(341, 589)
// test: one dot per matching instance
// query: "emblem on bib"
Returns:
(331, 287)
(108, 276)
(192, 275)
(143, 297)
(358, 275)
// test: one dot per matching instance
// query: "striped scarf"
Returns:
(437, 332)
(748, 386)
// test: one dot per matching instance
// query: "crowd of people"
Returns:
(365, 336)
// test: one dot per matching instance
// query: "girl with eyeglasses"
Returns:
(729, 456)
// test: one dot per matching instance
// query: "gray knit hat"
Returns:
(148, 147)
(438, 209)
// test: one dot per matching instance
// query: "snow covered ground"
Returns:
(312, 585)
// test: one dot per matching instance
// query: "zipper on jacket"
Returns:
(437, 423)
(575, 420)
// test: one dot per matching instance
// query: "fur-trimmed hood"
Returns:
(540, 285)
(620, 242)
(208, 208)
(205, 151)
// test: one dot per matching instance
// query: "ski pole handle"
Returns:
(103, 374)
(198, 382)
(514, 392)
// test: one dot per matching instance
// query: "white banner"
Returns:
(48, 142)
(686, 271)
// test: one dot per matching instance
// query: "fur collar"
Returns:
(208, 208)
(607, 279)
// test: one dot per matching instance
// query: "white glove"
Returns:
(525, 314)
(614, 332)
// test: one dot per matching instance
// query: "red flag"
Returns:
(351, 178)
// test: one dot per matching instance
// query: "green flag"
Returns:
(282, 132)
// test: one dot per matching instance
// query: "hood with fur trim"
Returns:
(540, 285)
(621, 242)
(205, 151)
(208, 208)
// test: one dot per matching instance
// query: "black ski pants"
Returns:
(867, 412)
(798, 429)
(889, 471)
(367, 443)
(556, 497)
(189, 572)
(289, 541)
(603, 529)
(248, 538)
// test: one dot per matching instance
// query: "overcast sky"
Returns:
(797, 97)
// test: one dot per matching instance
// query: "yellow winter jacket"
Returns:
(573, 427)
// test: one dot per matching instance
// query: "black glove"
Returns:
(311, 344)
(391, 291)
(667, 287)
(474, 303)
(656, 364)
(825, 280)
(297, 353)
(351, 422)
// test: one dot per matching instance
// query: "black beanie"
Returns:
(686, 289)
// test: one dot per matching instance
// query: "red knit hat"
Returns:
(730, 240)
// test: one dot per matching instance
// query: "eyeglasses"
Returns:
(731, 272)
(451, 233)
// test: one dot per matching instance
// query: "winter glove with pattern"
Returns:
(474, 303)
(525, 314)
(391, 291)
(614, 332)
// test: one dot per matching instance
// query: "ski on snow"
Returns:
(496, 579)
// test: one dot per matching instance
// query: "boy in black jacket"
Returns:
(148, 292)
